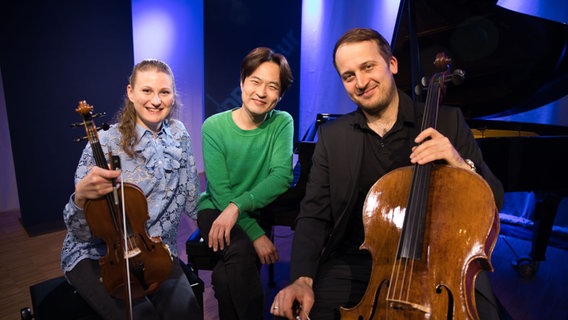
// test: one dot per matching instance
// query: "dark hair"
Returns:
(364, 34)
(260, 55)
(127, 114)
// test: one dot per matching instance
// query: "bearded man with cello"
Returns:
(120, 251)
(329, 273)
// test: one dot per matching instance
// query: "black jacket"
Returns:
(331, 191)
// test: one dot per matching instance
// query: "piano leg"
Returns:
(543, 220)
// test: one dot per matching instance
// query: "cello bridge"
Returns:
(407, 306)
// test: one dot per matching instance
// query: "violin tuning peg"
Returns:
(98, 115)
(105, 126)
(80, 139)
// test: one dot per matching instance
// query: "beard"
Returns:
(379, 102)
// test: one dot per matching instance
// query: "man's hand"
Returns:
(299, 291)
(435, 146)
(220, 233)
(265, 250)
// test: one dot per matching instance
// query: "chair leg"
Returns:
(196, 283)
(271, 282)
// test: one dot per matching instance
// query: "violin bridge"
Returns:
(132, 253)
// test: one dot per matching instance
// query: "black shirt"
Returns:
(380, 156)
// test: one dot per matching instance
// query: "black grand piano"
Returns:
(513, 63)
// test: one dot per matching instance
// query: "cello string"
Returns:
(411, 225)
(419, 200)
(409, 245)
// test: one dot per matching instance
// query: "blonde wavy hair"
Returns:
(126, 116)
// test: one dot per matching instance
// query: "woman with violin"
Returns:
(157, 182)
(327, 269)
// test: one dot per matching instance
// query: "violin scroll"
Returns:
(84, 108)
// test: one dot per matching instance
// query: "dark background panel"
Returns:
(52, 55)
(233, 28)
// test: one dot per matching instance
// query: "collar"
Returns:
(141, 131)
(406, 113)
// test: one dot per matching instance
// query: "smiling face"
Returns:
(366, 76)
(261, 90)
(153, 96)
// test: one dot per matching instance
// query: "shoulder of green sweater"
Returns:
(281, 116)
(281, 113)
(217, 117)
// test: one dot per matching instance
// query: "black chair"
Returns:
(57, 299)
(281, 212)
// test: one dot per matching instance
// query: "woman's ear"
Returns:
(129, 92)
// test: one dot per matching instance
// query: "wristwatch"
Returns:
(471, 165)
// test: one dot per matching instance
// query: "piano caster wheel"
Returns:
(26, 314)
(526, 267)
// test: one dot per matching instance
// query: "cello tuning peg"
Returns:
(98, 115)
(458, 76)
(418, 90)
(423, 86)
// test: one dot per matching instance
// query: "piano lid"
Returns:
(513, 62)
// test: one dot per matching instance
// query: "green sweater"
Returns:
(250, 168)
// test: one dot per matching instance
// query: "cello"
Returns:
(135, 263)
(428, 242)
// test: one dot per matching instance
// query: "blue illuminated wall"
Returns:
(172, 30)
(323, 22)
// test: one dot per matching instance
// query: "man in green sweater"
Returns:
(247, 153)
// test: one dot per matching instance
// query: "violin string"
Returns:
(101, 162)
(126, 253)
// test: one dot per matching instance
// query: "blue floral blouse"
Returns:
(165, 171)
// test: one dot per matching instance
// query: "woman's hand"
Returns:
(96, 184)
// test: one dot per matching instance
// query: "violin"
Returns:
(135, 263)
(430, 230)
